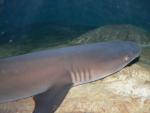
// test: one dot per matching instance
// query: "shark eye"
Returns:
(126, 58)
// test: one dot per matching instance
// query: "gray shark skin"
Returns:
(48, 75)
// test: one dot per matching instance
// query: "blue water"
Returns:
(29, 24)
(75, 12)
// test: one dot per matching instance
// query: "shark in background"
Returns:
(48, 75)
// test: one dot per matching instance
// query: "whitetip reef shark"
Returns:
(48, 75)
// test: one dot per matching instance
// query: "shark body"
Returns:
(48, 75)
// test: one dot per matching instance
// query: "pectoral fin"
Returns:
(50, 100)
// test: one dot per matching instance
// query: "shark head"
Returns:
(125, 52)
(105, 59)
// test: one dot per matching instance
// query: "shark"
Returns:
(48, 75)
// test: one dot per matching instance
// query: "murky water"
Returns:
(33, 25)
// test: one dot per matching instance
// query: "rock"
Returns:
(20, 106)
(113, 32)
(145, 56)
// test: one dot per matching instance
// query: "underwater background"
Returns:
(33, 25)
(29, 25)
